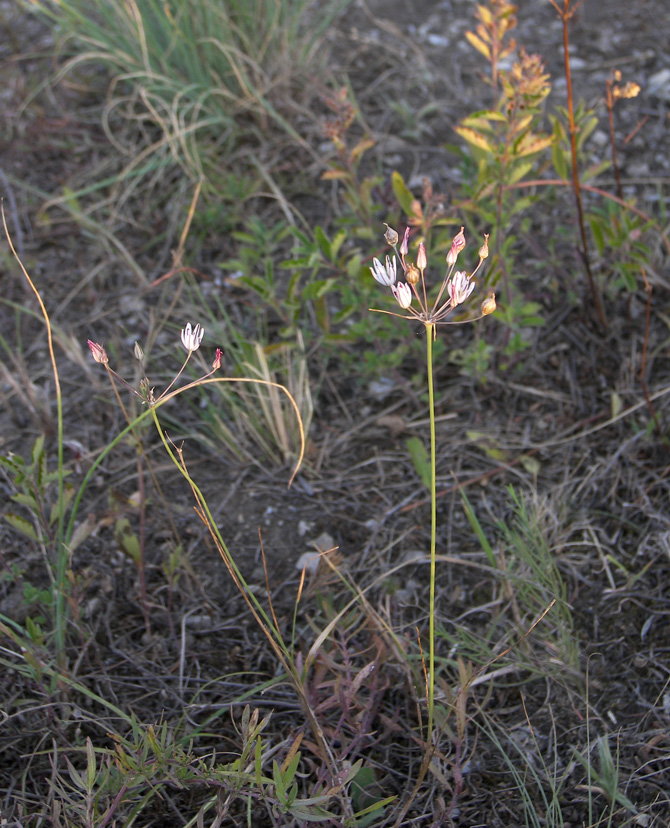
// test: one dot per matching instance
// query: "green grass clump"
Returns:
(210, 76)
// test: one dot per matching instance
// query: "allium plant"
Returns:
(412, 296)
(191, 339)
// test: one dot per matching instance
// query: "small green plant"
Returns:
(295, 291)
(530, 576)
(620, 241)
(504, 143)
(606, 777)
(35, 490)
(505, 147)
(50, 517)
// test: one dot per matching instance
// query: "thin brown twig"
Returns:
(267, 580)
(565, 14)
(609, 103)
(638, 126)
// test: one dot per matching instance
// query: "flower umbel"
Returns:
(191, 338)
(456, 285)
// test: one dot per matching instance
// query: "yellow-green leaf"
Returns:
(402, 193)
(419, 455)
(21, 525)
(332, 175)
(482, 118)
(531, 464)
(484, 14)
(479, 44)
(362, 146)
(488, 445)
(523, 122)
(474, 138)
(519, 171)
(127, 539)
(532, 144)
(559, 161)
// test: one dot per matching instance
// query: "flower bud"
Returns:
(404, 247)
(484, 249)
(421, 260)
(489, 305)
(390, 235)
(139, 353)
(98, 352)
(456, 246)
(217, 360)
(412, 274)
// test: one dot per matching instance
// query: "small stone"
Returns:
(658, 85)
(309, 561)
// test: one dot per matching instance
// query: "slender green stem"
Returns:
(266, 623)
(61, 609)
(430, 334)
(213, 526)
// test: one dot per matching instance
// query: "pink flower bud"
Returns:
(98, 352)
(404, 247)
(456, 246)
(421, 260)
(217, 360)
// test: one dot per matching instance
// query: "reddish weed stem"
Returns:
(565, 14)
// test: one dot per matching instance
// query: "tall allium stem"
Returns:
(455, 289)
(430, 335)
